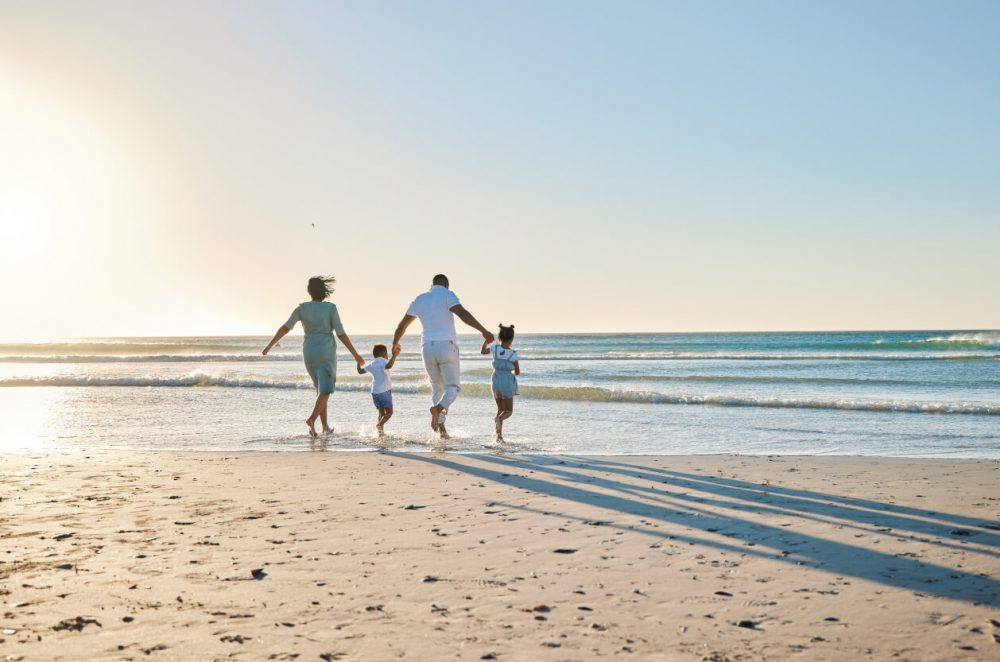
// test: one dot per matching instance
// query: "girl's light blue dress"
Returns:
(504, 381)
(320, 321)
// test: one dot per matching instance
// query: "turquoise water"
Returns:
(923, 393)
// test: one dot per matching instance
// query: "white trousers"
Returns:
(441, 362)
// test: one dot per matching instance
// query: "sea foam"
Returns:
(199, 379)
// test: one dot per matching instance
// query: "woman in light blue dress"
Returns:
(320, 321)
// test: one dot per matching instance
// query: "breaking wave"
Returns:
(569, 358)
(968, 339)
(145, 358)
(565, 393)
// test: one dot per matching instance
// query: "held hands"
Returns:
(396, 349)
(488, 337)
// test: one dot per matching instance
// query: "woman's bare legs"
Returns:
(319, 411)
(323, 413)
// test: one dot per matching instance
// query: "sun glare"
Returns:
(55, 156)
(63, 185)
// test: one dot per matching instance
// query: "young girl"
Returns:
(505, 367)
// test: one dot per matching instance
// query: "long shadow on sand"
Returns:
(831, 505)
(724, 508)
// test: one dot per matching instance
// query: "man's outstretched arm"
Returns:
(467, 317)
(400, 330)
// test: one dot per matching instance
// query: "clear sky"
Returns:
(182, 168)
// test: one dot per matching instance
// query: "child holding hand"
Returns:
(379, 369)
(506, 367)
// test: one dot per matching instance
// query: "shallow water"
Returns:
(925, 393)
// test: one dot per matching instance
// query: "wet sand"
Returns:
(368, 556)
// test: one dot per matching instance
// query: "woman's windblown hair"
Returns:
(320, 287)
(506, 333)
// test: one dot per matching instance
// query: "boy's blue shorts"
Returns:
(382, 400)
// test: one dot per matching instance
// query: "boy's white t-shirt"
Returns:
(497, 351)
(376, 368)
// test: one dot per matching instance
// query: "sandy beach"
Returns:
(368, 556)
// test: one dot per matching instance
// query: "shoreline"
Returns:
(511, 452)
(402, 555)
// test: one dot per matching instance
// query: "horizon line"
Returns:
(533, 333)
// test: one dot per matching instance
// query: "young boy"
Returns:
(381, 384)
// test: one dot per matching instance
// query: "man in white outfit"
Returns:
(436, 308)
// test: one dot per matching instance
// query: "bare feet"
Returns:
(499, 438)
(381, 432)
(310, 422)
(435, 412)
(327, 431)
(442, 431)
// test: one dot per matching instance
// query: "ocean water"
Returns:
(922, 393)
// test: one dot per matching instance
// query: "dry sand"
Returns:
(367, 556)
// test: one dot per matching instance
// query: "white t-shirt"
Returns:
(498, 352)
(433, 308)
(376, 368)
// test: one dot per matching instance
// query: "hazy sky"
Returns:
(572, 166)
